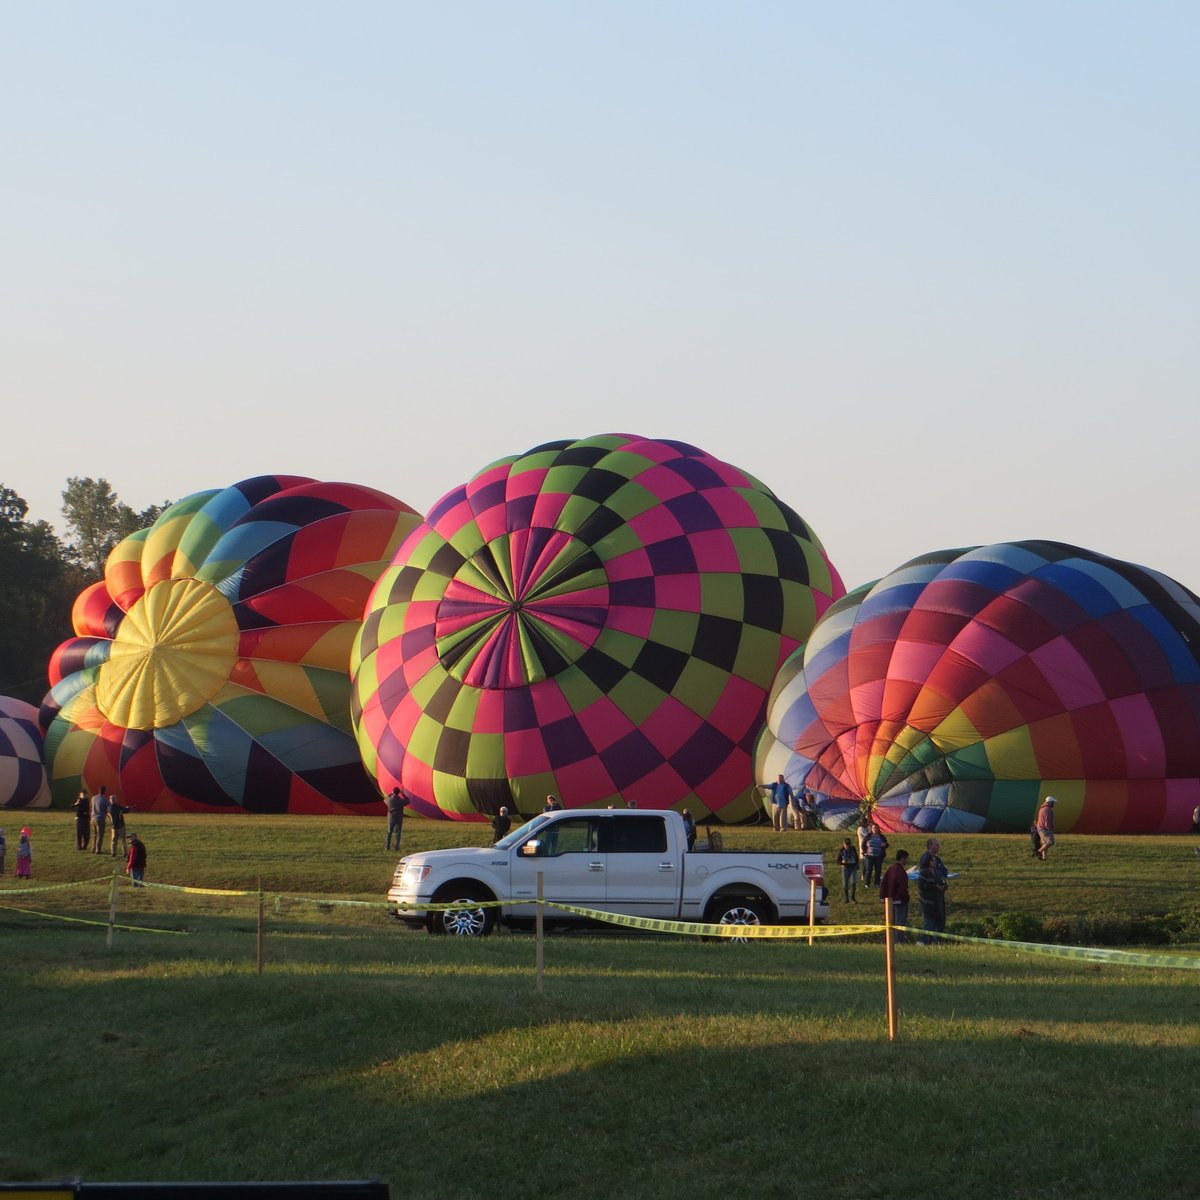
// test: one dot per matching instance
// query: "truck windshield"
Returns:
(509, 840)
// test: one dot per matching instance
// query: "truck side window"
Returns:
(570, 837)
(634, 835)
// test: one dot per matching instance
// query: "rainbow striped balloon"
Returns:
(964, 687)
(211, 666)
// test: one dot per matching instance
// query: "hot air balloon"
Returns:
(211, 666)
(23, 781)
(961, 689)
(599, 620)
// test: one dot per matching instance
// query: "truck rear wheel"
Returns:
(736, 910)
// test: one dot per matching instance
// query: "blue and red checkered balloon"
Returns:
(958, 691)
(23, 782)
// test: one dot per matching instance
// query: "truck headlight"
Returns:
(416, 873)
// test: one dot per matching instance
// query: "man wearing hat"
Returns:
(396, 802)
(501, 824)
(1045, 826)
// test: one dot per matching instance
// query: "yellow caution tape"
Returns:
(1131, 958)
(1122, 958)
(55, 887)
(706, 929)
(276, 896)
(195, 891)
(84, 921)
(327, 900)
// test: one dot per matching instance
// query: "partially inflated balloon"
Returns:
(598, 619)
(211, 666)
(961, 689)
(22, 776)
(773, 757)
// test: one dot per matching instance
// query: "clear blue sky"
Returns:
(930, 270)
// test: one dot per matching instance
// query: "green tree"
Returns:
(37, 589)
(97, 520)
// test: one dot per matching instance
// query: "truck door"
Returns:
(643, 869)
(572, 866)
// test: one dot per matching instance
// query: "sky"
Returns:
(930, 271)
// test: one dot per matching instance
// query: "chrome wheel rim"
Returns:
(739, 916)
(464, 922)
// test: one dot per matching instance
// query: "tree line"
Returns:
(41, 574)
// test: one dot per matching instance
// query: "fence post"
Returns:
(889, 960)
(812, 907)
(112, 911)
(541, 933)
(260, 926)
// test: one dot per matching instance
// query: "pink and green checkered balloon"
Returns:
(598, 619)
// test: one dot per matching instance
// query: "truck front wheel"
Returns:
(468, 921)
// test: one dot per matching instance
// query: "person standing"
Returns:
(780, 793)
(808, 811)
(689, 828)
(24, 858)
(396, 802)
(135, 864)
(99, 819)
(501, 824)
(3, 851)
(795, 811)
(931, 891)
(861, 834)
(554, 804)
(848, 860)
(893, 888)
(116, 817)
(1045, 827)
(83, 819)
(876, 848)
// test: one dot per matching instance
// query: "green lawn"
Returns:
(648, 1067)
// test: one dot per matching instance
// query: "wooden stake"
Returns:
(112, 911)
(890, 968)
(541, 933)
(260, 926)
(812, 907)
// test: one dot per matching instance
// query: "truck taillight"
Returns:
(814, 871)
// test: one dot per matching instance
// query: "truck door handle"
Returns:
(595, 866)
(666, 866)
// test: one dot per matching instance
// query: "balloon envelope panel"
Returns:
(23, 782)
(599, 619)
(211, 665)
(958, 691)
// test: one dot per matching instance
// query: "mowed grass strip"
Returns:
(1131, 878)
(656, 1067)
(649, 1066)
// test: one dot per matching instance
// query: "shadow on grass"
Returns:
(656, 1068)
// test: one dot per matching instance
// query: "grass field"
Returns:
(649, 1066)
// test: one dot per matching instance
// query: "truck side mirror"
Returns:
(531, 848)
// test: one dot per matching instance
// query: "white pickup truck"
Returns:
(615, 860)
